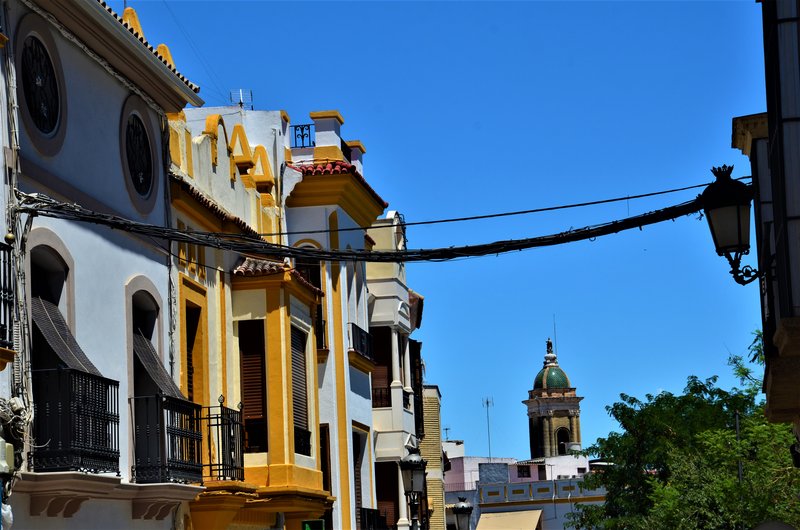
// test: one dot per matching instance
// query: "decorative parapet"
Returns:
(61, 494)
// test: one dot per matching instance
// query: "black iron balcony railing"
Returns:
(361, 342)
(6, 298)
(381, 397)
(372, 519)
(75, 422)
(303, 135)
(224, 442)
(167, 440)
(302, 441)
(319, 330)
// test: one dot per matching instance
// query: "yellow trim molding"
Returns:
(326, 153)
(261, 172)
(193, 293)
(360, 362)
(326, 114)
(240, 149)
(342, 189)
(356, 144)
(6, 356)
(343, 426)
(163, 51)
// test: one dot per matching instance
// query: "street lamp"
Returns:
(462, 510)
(412, 467)
(726, 203)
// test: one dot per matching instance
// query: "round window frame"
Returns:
(48, 144)
(134, 105)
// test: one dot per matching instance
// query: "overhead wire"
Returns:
(507, 214)
(39, 204)
(209, 71)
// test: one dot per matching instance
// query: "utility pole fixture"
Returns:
(487, 402)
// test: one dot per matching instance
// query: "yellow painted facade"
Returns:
(210, 299)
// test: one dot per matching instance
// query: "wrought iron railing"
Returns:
(302, 441)
(381, 397)
(319, 330)
(303, 135)
(75, 422)
(224, 443)
(6, 298)
(167, 440)
(371, 519)
(361, 342)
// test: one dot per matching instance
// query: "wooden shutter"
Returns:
(253, 374)
(299, 385)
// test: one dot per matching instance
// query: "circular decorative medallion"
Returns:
(40, 85)
(137, 149)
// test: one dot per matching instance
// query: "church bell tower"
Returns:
(553, 410)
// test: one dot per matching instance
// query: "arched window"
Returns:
(562, 440)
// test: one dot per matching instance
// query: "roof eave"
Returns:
(89, 20)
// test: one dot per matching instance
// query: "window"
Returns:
(137, 149)
(581, 471)
(523, 471)
(138, 154)
(252, 363)
(562, 439)
(302, 435)
(41, 85)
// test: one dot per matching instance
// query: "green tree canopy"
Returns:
(675, 463)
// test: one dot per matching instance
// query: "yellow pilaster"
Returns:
(340, 364)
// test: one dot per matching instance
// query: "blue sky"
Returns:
(469, 108)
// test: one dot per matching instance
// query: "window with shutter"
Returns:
(253, 376)
(299, 381)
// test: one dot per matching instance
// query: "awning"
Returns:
(51, 324)
(522, 520)
(144, 351)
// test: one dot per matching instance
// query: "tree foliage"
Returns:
(675, 463)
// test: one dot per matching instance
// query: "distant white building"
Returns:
(536, 493)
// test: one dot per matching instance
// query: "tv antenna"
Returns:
(446, 434)
(242, 97)
(487, 402)
(555, 335)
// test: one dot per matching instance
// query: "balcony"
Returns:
(302, 136)
(75, 422)
(224, 443)
(371, 519)
(6, 298)
(302, 441)
(167, 440)
(361, 342)
(319, 330)
(381, 397)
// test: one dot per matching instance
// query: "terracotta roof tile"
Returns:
(262, 267)
(214, 207)
(141, 38)
(337, 167)
(258, 267)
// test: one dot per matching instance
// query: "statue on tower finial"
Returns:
(550, 357)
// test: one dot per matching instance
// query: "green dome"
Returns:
(551, 376)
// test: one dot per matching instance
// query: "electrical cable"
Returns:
(39, 204)
(507, 214)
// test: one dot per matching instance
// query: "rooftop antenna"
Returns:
(487, 402)
(446, 434)
(242, 97)
(555, 335)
